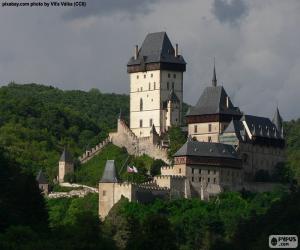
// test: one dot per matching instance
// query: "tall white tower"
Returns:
(156, 85)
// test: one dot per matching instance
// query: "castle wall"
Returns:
(259, 157)
(124, 137)
(202, 133)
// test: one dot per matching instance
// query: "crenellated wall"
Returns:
(124, 137)
(89, 154)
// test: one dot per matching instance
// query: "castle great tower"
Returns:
(156, 85)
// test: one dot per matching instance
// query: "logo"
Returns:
(283, 241)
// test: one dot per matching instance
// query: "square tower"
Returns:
(156, 85)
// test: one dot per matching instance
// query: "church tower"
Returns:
(156, 85)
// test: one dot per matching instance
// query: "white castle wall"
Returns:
(124, 137)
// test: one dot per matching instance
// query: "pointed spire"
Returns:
(40, 178)
(109, 174)
(214, 79)
(278, 122)
(66, 156)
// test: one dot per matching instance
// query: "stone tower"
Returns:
(155, 70)
(107, 186)
(211, 115)
(66, 165)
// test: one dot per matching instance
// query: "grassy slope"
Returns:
(90, 173)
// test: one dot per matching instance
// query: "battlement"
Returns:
(169, 177)
(167, 168)
(89, 154)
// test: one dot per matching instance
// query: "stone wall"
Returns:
(124, 137)
(89, 154)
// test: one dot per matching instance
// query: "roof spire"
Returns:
(120, 114)
(214, 79)
(278, 122)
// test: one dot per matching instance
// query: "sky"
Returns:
(256, 45)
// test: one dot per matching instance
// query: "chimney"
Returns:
(227, 102)
(176, 50)
(136, 52)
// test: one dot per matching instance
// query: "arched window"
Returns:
(141, 104)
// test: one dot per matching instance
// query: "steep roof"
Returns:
(40, 178)
(156, 47)
(278, 121)
(66, 156)
(236, 127)
(109, 174)
(260, 126)
(207, 149)
(213, 101)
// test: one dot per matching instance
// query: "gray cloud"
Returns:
(130, 8)
(230, 11)
(258, 64)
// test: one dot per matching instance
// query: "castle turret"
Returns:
(42, 181)
(107, 188)
(278, 122)
(212, 113)
(66, 165)
(154, 70)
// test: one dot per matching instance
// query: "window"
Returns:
(179, 170)
(151, 75)
(150, 122)
(215, 180)
(192, 179)
(208, 171)
(141, 104)
(168, 85)
(199, 171)
(169, 75)
(149, 85)
(174, 75)
(209, 139)
(154, 85)
(199, 179)
(173, 84)
(141, 123)
(144, 76)
(103, 192)
(195, 128)
(137, 76)
(193, 170)
(209, 127)
(208, 179)
(141, 88)
(214, 171)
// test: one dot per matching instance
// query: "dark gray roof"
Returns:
(236, 127)
(40, 178)
(207, 149)
(66, 156)
(156, 47)
(261, 126)
(278, 122)
(109, 174)
(213, 101)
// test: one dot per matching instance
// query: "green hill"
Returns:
(36, 121)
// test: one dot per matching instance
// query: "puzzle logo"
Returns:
(283, 241)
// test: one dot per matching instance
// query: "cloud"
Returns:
(131, 8)
(258, 63)
(229, 11)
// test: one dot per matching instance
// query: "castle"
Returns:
(225, 149)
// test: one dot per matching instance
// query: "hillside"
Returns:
(36, 121)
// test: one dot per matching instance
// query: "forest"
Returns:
(37, 121)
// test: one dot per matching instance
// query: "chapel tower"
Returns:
(65, 165)
(156, 85)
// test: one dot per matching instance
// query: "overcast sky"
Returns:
(256, 44)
